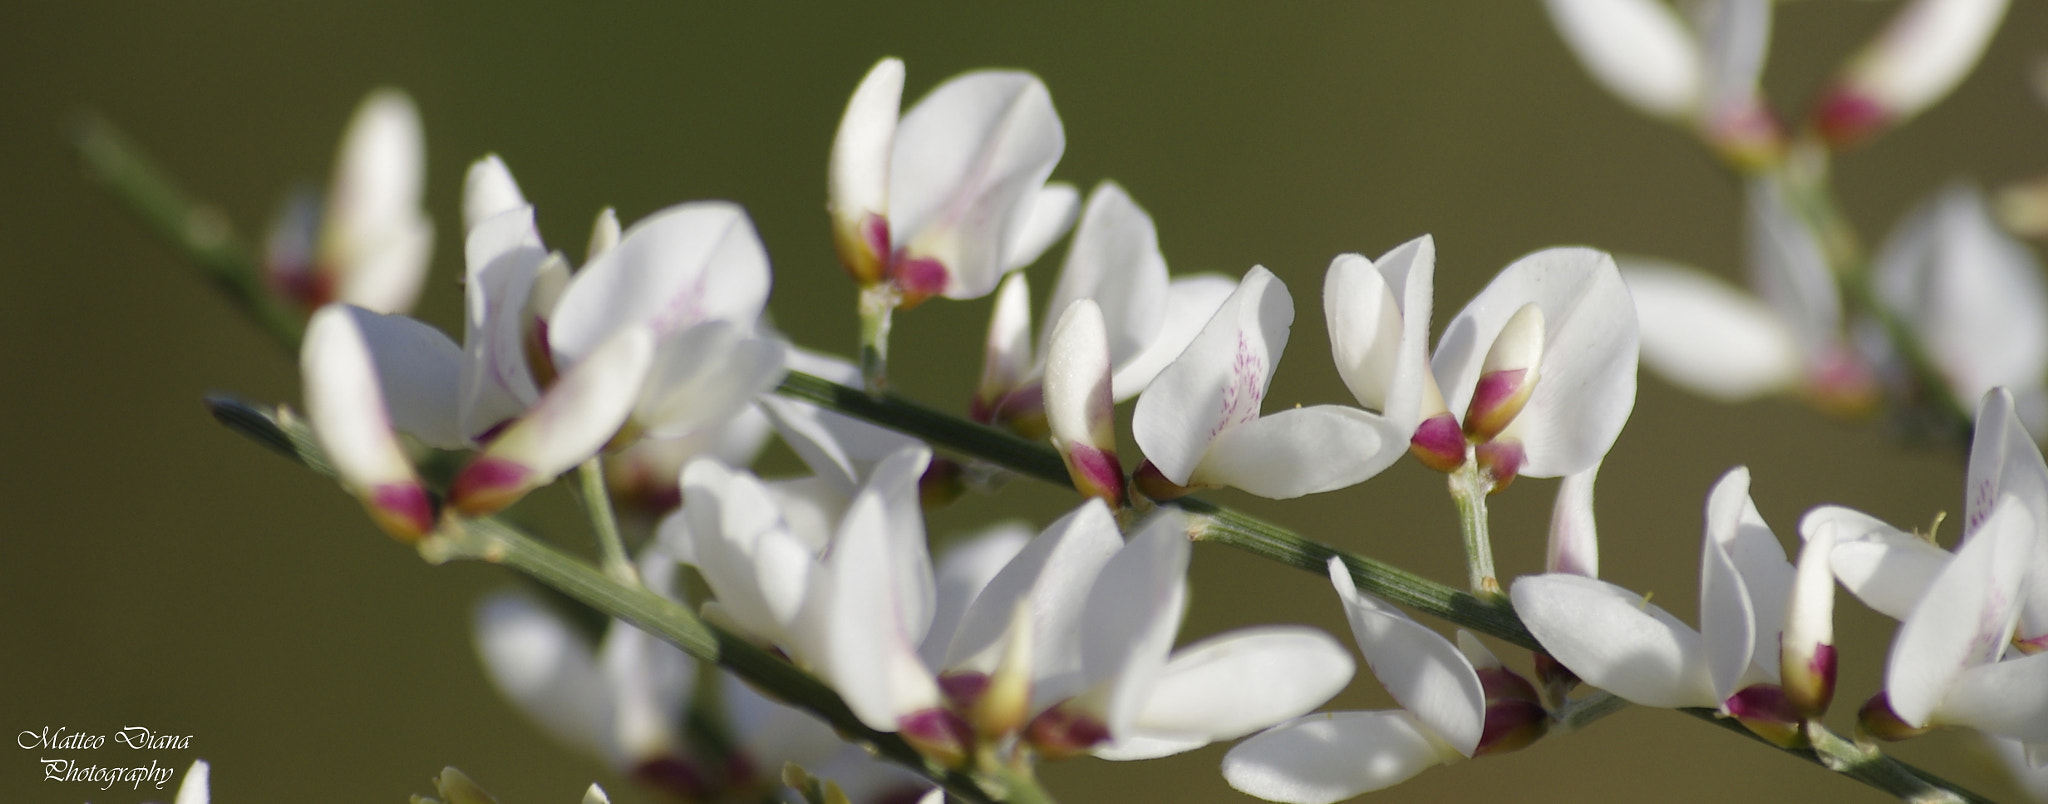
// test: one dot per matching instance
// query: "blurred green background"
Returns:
(160, 571)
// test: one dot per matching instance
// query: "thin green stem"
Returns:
(1582, 712)
(1469, 488)
(604, 524)
(878, 304)
(200, 231)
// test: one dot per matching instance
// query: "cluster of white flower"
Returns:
(1021, 644)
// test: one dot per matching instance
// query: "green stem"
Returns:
(1469, 488)
(877, 308)
(597, 503)
(200, 231)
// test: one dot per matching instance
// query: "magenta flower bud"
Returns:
(1501, 459)
(1766, 712)
(1877, 719)
(1065, 731)
(1508, 375)
(940, 734)
(1512, 725)
(1439, 443)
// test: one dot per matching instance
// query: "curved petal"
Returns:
(1966, 617)
(963, 574)
(869, 658)
(1753, 552)
(964, 159)
(2005, 462)
(504, 255)
(377, 239)
(1190, 302)
(1331, 756)
(1040, 223)
(1728, 621)
(1378, 316)
(858, 181)
(346, 409)
(1053, 575)
(1886, 568)
(1574, 545)
(704, 376)
(570, 423)
(1424, 672)
(1233, 684)
(650, 684)
(1302, 451)
(2008, 699)
(1923, 53)
(1587, 383)
(834, 445)
(1707, 337)
(1114, 260)
(894, 483)
(1078, 407)
(763, 576)
(1638, 49)
(1219, 381)
(1973, 293)
(419, 370)
(1616, 640)
(1136, 606)
(1007, 358)
(488, 190)
(694, 262)
(545, 669)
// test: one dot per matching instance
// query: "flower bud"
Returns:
(1501, 459)
(1922, 54)
(1078, 405)
(1768, 713)
(345, 405)
(859, 173)
(1877, 719)
(1806, 651)
(1508, 375)
(1438, 443)
(1065, 731)
(567, 426)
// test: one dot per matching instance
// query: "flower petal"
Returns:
(1114, 260)
(1707, 337)
(763, 575)
(418, 369)
(2008, 699)
(1190, 302)
(1378, 315)
(377, 238)
(1736, 35)
(1789, 268)
(1923, 53)
(504, 255)
(832, 444)
(858, 184)
(1052, 575)
(1886, 568)
(1424, 672)
(545, 669)
(345, 405)
(1965, 618)
(1574, 545)
(1219, 381)
(569, 424)
(1588, 380)
(704, 376)
(965, 158)
(1303, 451)
(1616, 640)
(1041, 222)
(1331, 756)
(195, 788)
(869, 658)
(1007, 358)
(1136, 606)
(964, 573)
(2005, 462)
(1236, 683)
(1638, 49)
(694, 262)
(1754, 552)
(488, 190)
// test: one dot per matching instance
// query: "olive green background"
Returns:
(159, 571)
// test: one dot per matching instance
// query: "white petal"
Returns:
(1754, 553)
(1886, 568)
(700, 261)
(1588, 383)
(2008, 699)
(1638, 49)
(1078, 407)
(196, 787)
(2005, 462)
(1190, 302)
(504, 255)
(345, 404)
(1219, 381)
(419, 371)
(1923, 53)
(1115, 261)
(834, 445)
(869, 658)
(704, 376)
(859, 178)
(1965, 618)
(546, 670)
(1236, 683)
(1332, 756)
(1973, 294)
(894, 483)
(1709, 338)
(1136, 606)
(1041, 222)
(762, 574)
(1736, 35)
(1574, 545)
(650, 683)
(1378, 317)
(1007, 359)
(1728, 621)
(1053, 575)
(965, 157)
(376, 235)
(487, 191)
(1789, 268)
(1810, 611)
(1616, 640)
(580, 412)
(964, 571)
(1303, 451)
(1424, 672)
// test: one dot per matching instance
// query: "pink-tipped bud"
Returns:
(1439, 443)
(938, 733)
(1508, 375)
(1806, 651)
(402, 509)
(1922, 54)
(858, 178)
(1877, 719)
(346, 408)
(1065, 731)
(1078, 405)
(489, 485)
(918, 278)
(1511, 725)
(1501, 459)
(1767, 713)
(1152, 483)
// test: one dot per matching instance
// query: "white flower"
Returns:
(195, 789)
(1705, 73)
(1199, 422)
(369, 243)
(1925, 51)
(952, 195)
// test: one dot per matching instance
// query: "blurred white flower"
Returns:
(369, 242)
